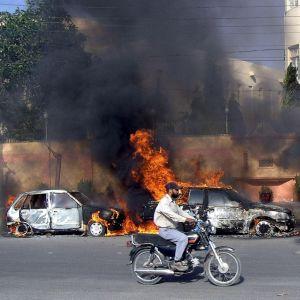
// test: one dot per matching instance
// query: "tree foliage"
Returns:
(291, 87)
(36, 45)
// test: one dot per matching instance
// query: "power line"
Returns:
(186, 7)
(232, 33)
(165, 21)
(256, 50)
(179, 19)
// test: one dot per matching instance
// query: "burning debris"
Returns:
(151, 172)
(21, 229)
(128, 224)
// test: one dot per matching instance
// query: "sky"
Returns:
(11, 5)
(251, 30)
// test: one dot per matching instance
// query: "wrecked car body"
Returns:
(233, 213)
(54, 211)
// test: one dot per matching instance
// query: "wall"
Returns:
(239, 159)
(29, 166)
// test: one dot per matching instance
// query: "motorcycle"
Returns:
(151, 257)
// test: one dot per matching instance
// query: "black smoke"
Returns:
(149, 56)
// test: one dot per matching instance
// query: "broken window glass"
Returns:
(62, 200)
(38, 201)
(219, 198)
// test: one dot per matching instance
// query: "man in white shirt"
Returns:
(167, 216)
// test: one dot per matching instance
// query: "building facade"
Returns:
(292, 32)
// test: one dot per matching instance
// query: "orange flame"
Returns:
(128, 226)
(10, 201)
(153, 171)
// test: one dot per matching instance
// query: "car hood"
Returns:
(270, 207)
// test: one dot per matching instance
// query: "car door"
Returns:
(35, 211)
(228, 214)
(64, 212)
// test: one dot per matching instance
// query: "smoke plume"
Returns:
(146, 58)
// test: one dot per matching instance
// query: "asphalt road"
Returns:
(73, 267)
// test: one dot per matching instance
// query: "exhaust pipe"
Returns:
(155, 271)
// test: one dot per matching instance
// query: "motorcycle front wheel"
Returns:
(225, 275)
(145, 260)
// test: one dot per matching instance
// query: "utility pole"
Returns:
(57, 156)
(226, 118)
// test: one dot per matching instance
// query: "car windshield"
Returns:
(237, 197)
(83, 199)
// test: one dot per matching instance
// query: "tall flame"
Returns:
(153, 172)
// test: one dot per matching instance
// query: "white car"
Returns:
(61, 210)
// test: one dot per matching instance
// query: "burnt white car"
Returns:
(230, 212)
(59, 210)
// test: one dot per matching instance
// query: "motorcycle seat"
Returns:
(154, 239)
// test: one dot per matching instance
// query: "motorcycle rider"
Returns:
(167, 215)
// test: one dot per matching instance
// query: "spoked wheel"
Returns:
(223, 275)
(145, 260)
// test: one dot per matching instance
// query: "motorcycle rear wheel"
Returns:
(140, 260)
(220, 277)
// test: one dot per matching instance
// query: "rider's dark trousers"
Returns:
(177, 237)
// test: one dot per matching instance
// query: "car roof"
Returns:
(47, 191)
(209, 188)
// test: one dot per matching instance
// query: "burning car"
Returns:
(60, 210)
(234, 213)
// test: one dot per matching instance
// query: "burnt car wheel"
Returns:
(264, 227)
(96, 229)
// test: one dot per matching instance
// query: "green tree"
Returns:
(37, 47)
(20, 50)
(291, 87)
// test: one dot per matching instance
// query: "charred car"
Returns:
(60, 210)
(232, 212)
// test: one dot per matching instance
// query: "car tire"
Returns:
(96, 229)
(264, 227)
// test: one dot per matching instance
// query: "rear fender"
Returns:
(135, 250)
(211, 253)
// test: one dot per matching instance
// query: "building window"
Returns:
(294, 58)
(293, 3)
(266, 163)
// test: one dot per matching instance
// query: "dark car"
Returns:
(61, 210)
(233, 212)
